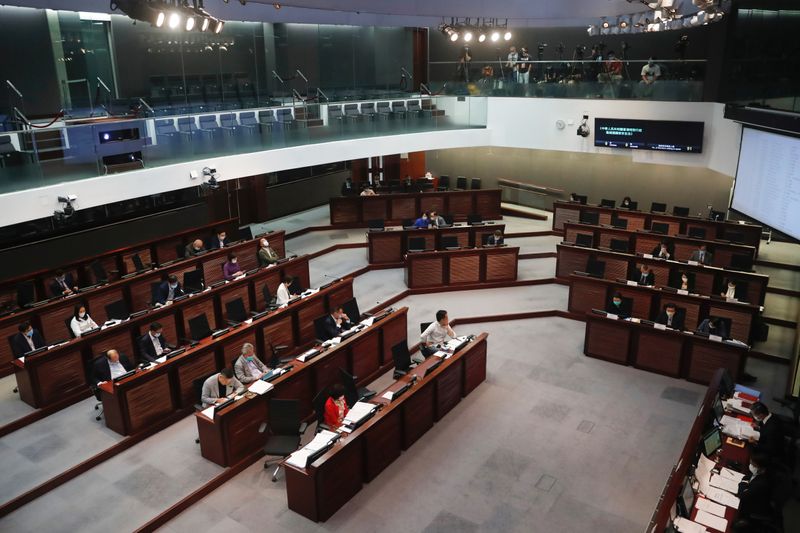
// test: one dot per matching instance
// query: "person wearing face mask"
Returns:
(169, 290)
(152, 344)
(618, 306)
(670, 317)
(336, 323)
(702, 255)
(266, 255)
(730, 290)
(194, 248)
(713, 326)
(755, 494)
(771, 432)
(63, 284)
(650, 72)
(249, 368)
(646, 276)
(27, 340)
(231, 269)
(219, 240)
(685, 283)
(81, 321)
(662, 251)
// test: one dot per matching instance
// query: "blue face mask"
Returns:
(617, 302)
(249, 357)
(29, 333)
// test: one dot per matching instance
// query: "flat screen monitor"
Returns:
(581, 198)
(712, 441)
(416, 244)
(659, 227)
(193, 280)
(296, 287)
(596, 268)
(401, 357)
(448, 219)
(607, 203)
(619, 245)
(245, 233)
(26, 293)
(741, 262)
(658, 207)
(590, 217)
(408, 222)
(632, 205)
(449, 242)
(719, 409)
(198, 327)
(767, 178)
(581, 239)
(697, 233)
(474, 219)
(235, 311)
(686, 498)
(351, 310)
(117, 310)
(735, 236)
(660, 135)
(375, 224)
(680, 211)
(619, 223)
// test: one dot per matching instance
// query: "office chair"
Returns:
(98, 406)
(285, 430)
(461, 183)
(402, 359)
(197, 389)
(444, 182)
(180, 251)
(268, 298)
(154, 292)
(423, 326)
(352, 392)
(319, 329)
(475, 183)
(319, 409)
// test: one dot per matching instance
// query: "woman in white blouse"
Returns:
(81, 321)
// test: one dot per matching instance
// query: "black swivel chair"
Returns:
(475, 183)
(402, 359)
(285, 430)
(352, 392)
(268, 298)
(444, 182)
(319, 409)
(154, 292)
(197, 389)
(423, 326)
(461, 183)
(98, 406)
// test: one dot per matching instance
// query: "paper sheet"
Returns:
(161, 359)
(710, 507)
(209, 413)
(358, 412)
(368, 321)
(708, 519)
(388, 395)
(724, 483)
(299, 458)
(704, 467)
(721, 496)
(685, 525)
(730, 474)
(260, 387)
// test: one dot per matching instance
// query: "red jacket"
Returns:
(332, 419)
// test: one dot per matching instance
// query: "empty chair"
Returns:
(402, 359)
(368, 109)
(266, 118)
(187, 125)
(248, 120)
(285, 430)
(461, 183)
(335, 113)
(413, 108)
(444, 182)
(416, 244)
(352, 392)
(383, 110)
(165, 128)
(228, 121)
(351, 112)
(284, 116)
(399, 109)
(475, 183)
(208, 123)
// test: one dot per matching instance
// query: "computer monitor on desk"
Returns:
(659, 227)
(582, 239)
(590, 217)
(235, 311)
(474, 219)
(686, 498)
(416, 244)
(619, 245)
(632, 206)
(117, 310)
(199, 328)
(450, 242)
(376, 224)
(658, 207)
(596, 268)
(742, 262)
(408, 223)
(608, 203)
(712, 441)
(680, 211)
(193, 281)
(697, 233)
(619, 223)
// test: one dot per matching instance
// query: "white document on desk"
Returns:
(320, 440)
(708, 519)
(685, 525)
(724, 483)
(358, 412)
(730, 474)
(161, 359)
(710, 507)
(260, 387)
(704, 467)
(368, 321)
(209, 412)
(299, 458)
(721, 496)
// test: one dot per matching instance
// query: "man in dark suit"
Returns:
(755, 494)
(27, 340)
(219, 240)
(771, 441)
(152, 344)
(618, 306)
(111, 366)
(194, 248)
(702, 255)
(670, 317)
(169, 290)
(662, 251)
(336, 323)
(645, 277)
(713, 326)
(63, 284)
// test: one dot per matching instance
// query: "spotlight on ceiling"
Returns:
(173, 20)
(507, 36)
(495, 36)
(605, 24)
(218, 25)
(467, 36)
(482, 37)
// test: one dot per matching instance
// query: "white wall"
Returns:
(511, 122)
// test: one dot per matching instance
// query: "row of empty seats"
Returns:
(169, 127)
(400, 108)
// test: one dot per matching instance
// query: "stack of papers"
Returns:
(737, 405)
(309, 292)
(303, 357)
(730, 474)
(710, 520)
(359, 411)
(320, 441)
(260, 387)
(208, 412)
(368, 321)
(724, 484)
(441, 354)
(738, 429)
(710, 507)
(685, 525)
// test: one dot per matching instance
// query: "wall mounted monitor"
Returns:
(661, 135)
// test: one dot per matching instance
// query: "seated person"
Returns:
(685, 283)
(437, 221)
(367, 192)
(282, 295)
(618, 306)
(169, 290)
(626, 202)
(219, 387)
(771, 439)
(422, 222)
(713, 326)
(152, 344)
(27, 340)
(266, 255)
(231, 269)
(81, 321)
(111, 366)
(347, 187)
(249, 368)
(194, 248)
(702, 255)
(670, 317)
(730, 290)
(646, 276)
(63, 284)
(755, 494)
(573, 197)
(218, 240)
(335, 406)
(495, 239)
(336, 323)
(662, 251)
(434, 336)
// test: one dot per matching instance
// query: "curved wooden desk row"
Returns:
(587, 293)
(391, 246)
(233, 433)
(50, 376)
(132, 404)
(669, 352)
(322, 488)
(52, 318)
(687, 461)
(708, 280)
(644, 242)
(564, 212)
(120, 261)
(393, 208)
(461, 267)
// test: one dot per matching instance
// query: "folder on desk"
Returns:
(710, 507)
(724, 483)
(260, 387)
(708, 519)
(359, 413)
(747, 390)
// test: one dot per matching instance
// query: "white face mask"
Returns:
(264, 244)
(753, 469)
(233, 261)
(156, 335)
(82, 316)
(173, 285)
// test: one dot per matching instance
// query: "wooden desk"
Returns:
(564, 212)
(51, 376)
(393, 208)
(233, 434)
(644, 242)
(669, 352)
(322, 488)
(390, 246)
(708, 280)
(686, 461)
(587, 293)
(51, 318)
(461, 267)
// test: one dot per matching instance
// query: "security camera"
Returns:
(583, 129)
(68, 198)
(209, 171)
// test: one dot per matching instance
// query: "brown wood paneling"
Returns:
(279, 332)
(231, 349)
(326, 369)
(7, 330)
(615, 268)
(460, 204)
(335, 490)
(562, 215)
(383, 444)
(54, 321)
(707, 357)
(122, 341)
(60, 374)
(462, 234)
(683, 251)
(740, 321)
(386, 247)
(646, 243)
(149, 402)
(200, 365)
(212, 269)
(465, 268)
(144, 255)
(607, 339)
(418, 414)
(366, 355)
(449, 388)
(659, 352)
(345, 210)
(141, 292)
(239, 291)
(305, 319)
(242, 426)
(204, 306)
(427, 272)
(586, 294)
(642, 301)
(487, 203)
(474, 368)
(570, 260)
(393, 332)
(338, 296)
(403, 207)
(501, 266)
(98, 302)
(374, 208)
(432, 202)
(299, 386)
